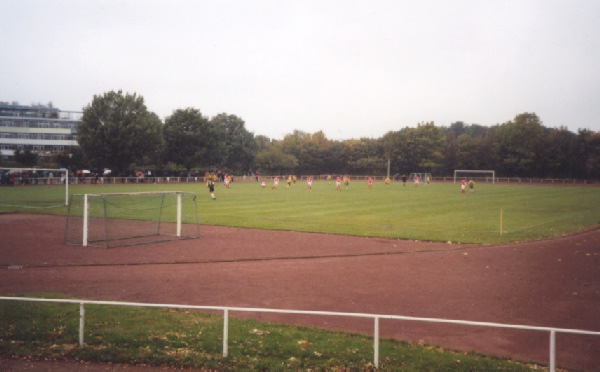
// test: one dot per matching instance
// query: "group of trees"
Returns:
(118, 132)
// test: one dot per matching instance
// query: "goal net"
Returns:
(422, 177)
(482, 176)
(53, 188)
(120, 219)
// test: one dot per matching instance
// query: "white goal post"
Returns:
(43, 175)
(467, 172)
(119, 219)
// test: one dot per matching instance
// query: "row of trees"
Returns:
(118, 132)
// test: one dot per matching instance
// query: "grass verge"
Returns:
(186, 338)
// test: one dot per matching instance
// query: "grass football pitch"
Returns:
(435, 212)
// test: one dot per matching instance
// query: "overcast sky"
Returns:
(349, 68)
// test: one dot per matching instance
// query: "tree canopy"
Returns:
(192, 140)
(117, 130)
(240, 145)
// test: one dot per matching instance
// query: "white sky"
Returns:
(350, 68)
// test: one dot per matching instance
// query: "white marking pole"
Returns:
(178, 214)
(85, 220)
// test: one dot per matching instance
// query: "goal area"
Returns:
(478, 175)
(121, 219)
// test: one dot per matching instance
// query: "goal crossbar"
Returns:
(476, 171)
(138, 193)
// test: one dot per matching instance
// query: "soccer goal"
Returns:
(120, 219)
(423, 177)
(59, 197)
(480, 175)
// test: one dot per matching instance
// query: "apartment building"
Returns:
(42, 129)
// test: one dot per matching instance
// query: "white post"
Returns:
(552, 351)
(376, 344)
(85, 220)
(67, 187)
(388, 170)
(179, 214)
(81, 323)
(225, 333)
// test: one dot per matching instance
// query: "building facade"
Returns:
(41, 129)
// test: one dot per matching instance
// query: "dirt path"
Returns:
(553, 283)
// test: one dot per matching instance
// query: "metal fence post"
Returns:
(376, 343)
(553, 351)
(81, 322)
(225, 333)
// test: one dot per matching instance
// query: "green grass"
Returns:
(194, 339)
(436, 212)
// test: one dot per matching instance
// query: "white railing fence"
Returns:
(376, 317)
(74, 180)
